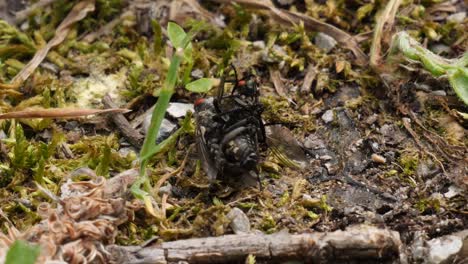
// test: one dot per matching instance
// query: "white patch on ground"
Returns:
(89, 91)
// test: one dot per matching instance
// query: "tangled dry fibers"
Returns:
(77, 226)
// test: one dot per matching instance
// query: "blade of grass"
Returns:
(181, 41)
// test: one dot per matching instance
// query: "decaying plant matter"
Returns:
(76, 226)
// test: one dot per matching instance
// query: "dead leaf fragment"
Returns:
(275, 77)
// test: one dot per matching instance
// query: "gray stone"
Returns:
(325, 42)
(457, 17)
(453, 191)
(332, 168)
(314, 142)
(197, 73)
(440, 48)
(3, 135)
(179, 110)
(166, 129)
(439, 92)
(326, 157)
(127, 150)
(286, 2)
(375, 146)
(259, 44)
(328, 116)
(418, 248)
(443, 249)
(371, 119)
(240, 223)
(70, 125)
(166, 189)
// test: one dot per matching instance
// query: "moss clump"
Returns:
(409, 163)
(268, 224)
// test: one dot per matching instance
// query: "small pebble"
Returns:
(378, 158)
(375, 146)
(179, 110)
(166, 129)
(286, 2)
(3, 135)
(325, 42)
(326, 157)
(166, 189)
(457, 17)
(371, 119)
(328, 116)
(240, 223)
(259, 44)
(444, 249)
(197, 73)
(439, 93)
(70, 125)
(453, 191)
(332, 168)
(440, 48)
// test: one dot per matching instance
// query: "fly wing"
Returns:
(208, 164)
(285, 147)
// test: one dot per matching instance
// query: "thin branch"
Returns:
(359, 243)
(132, 135)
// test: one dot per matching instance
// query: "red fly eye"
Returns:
(199, 101)
(241, 83)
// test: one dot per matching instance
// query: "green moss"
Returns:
(268, 224)
(423, 205)
(284, 199)
(409, 162)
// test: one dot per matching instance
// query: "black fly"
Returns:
(230, 129)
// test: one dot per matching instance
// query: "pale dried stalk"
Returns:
(58, 113)
(385, 19)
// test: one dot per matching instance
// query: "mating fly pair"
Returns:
(230, 129)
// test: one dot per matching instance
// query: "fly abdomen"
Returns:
(242, 150)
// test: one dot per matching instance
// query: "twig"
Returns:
(292, 18)
(359, 243)
(133, 136)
